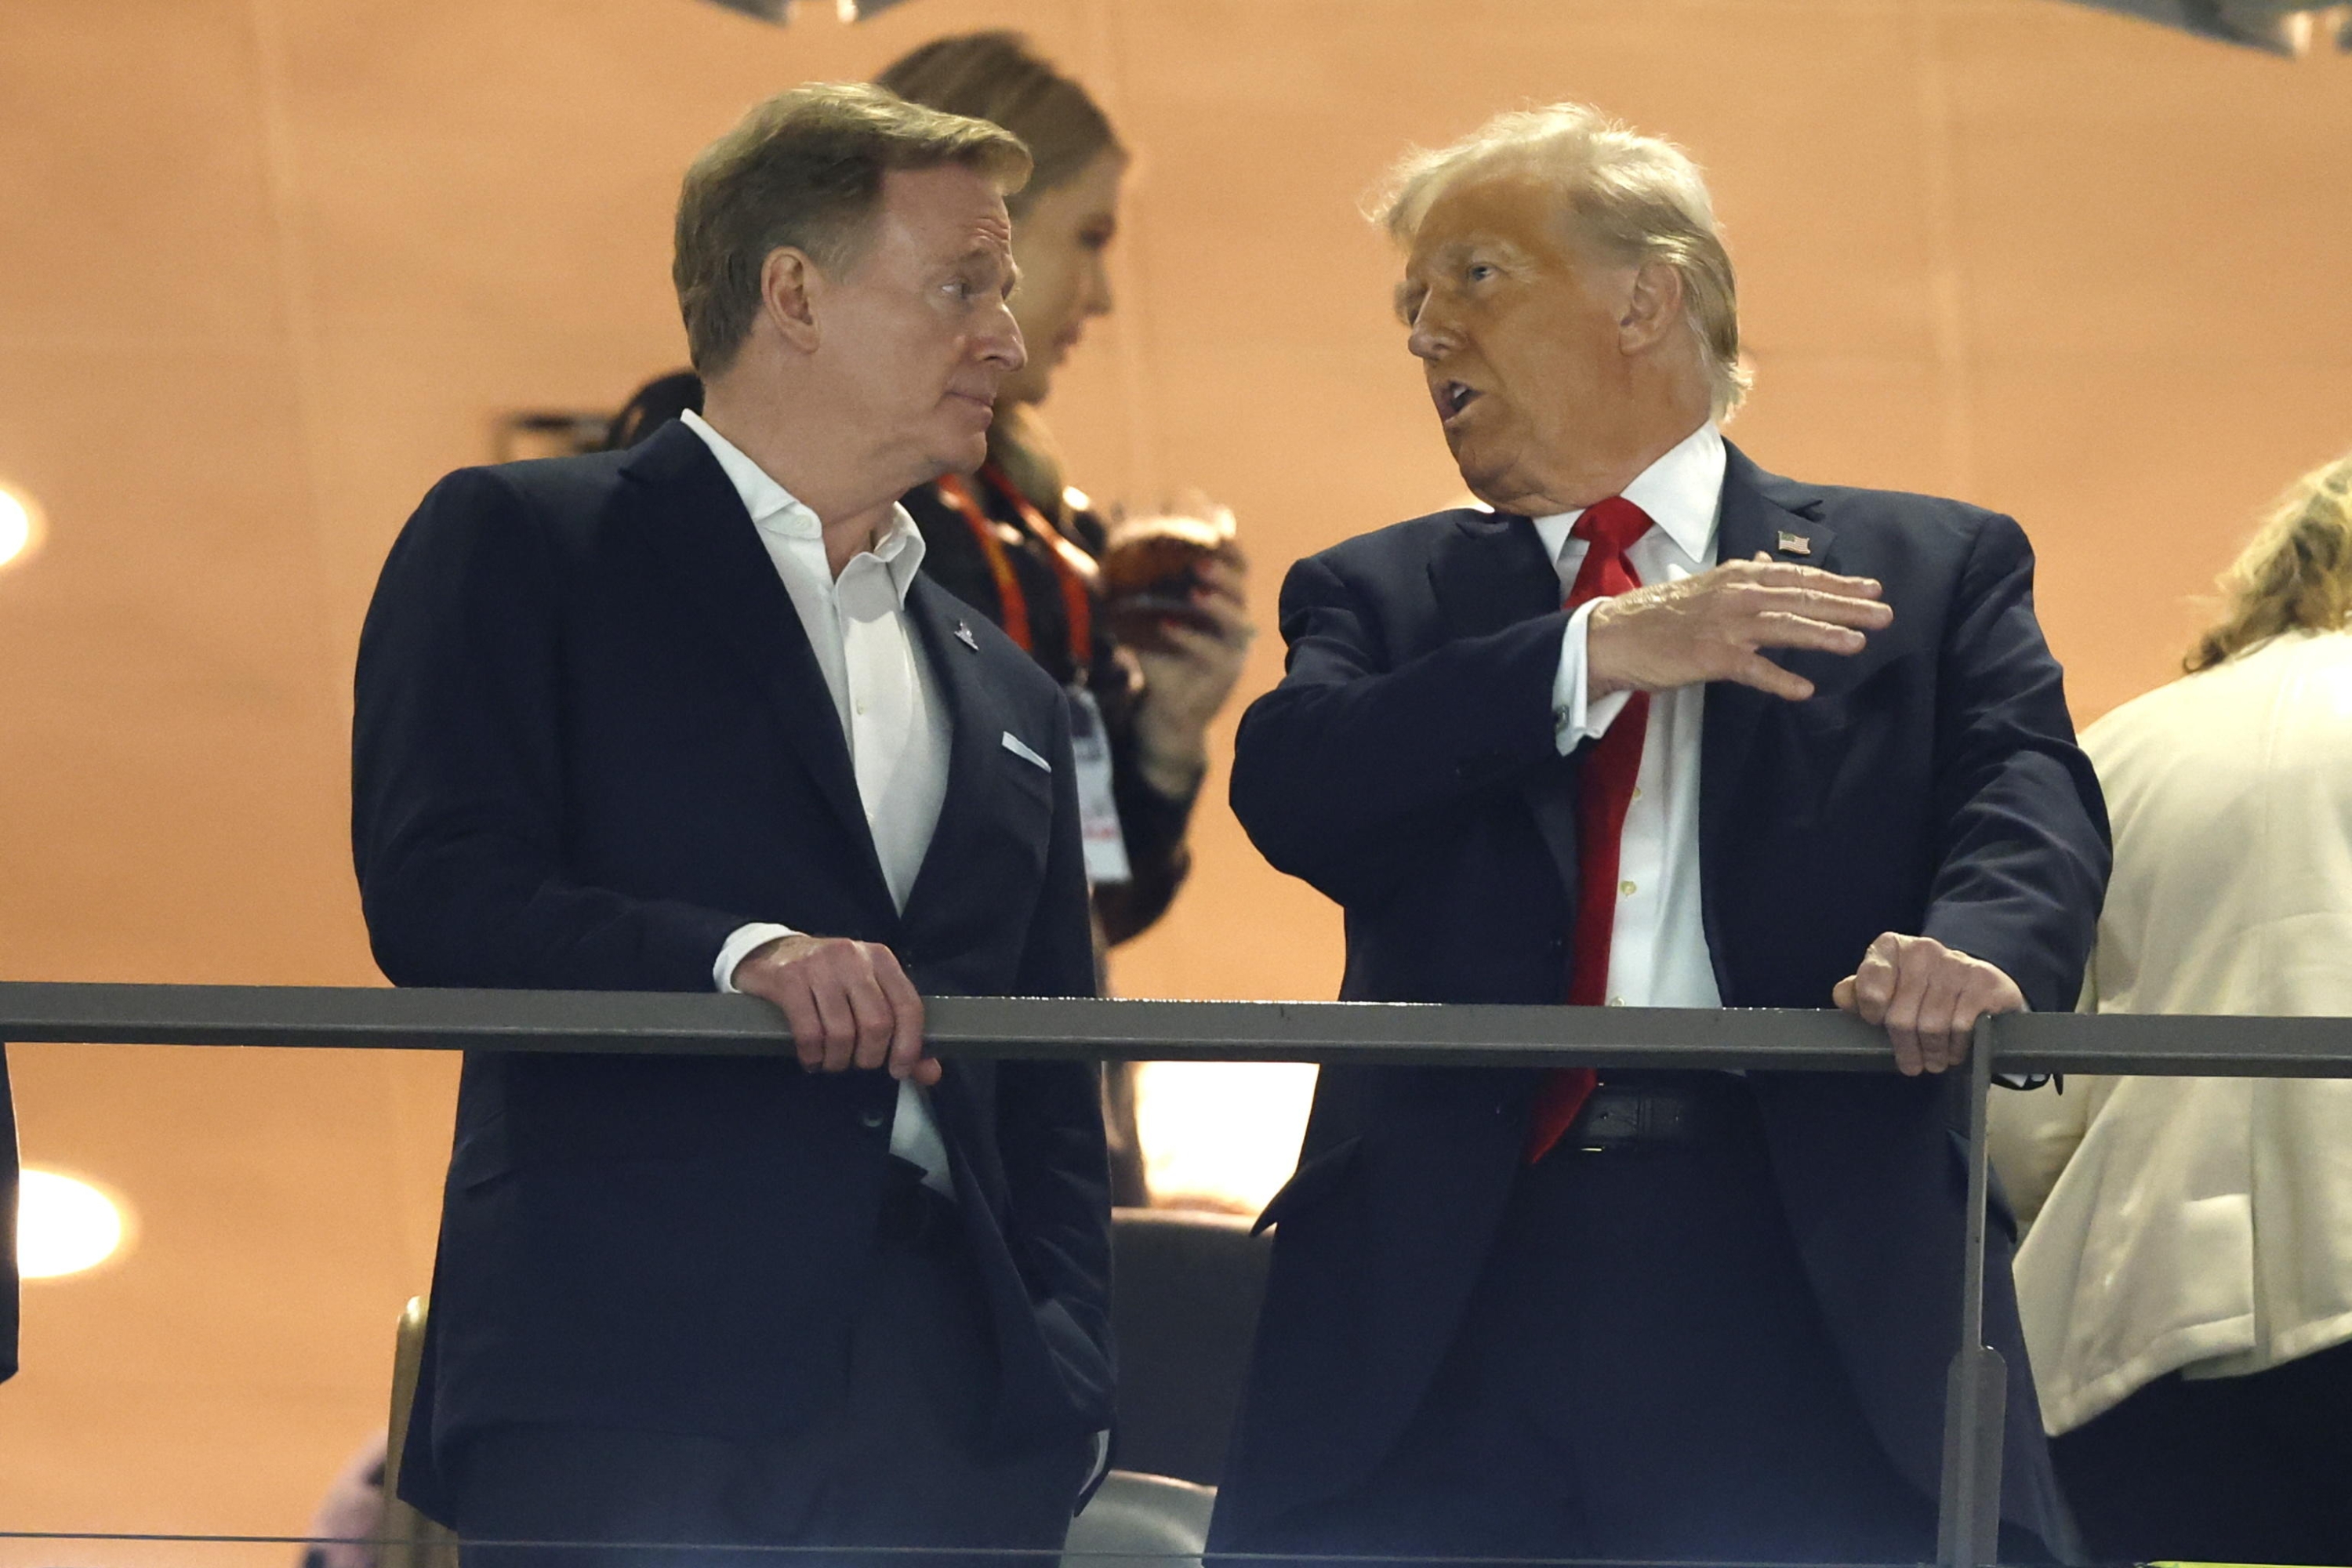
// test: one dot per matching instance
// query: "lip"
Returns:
(986, 405)
(1453, 399)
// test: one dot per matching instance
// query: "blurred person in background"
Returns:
(1027, 549)
(1145, 623)
(2187, 1278)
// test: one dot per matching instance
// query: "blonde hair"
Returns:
(804, 170)
(2296, 574)
(1634, 198)
(1000, 77)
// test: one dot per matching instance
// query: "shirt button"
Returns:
(870, 1118)
(1637, 792)
(1616, 1001)
(1628, 889)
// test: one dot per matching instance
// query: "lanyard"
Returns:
(1072, 568)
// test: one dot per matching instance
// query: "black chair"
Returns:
(1184, 1298)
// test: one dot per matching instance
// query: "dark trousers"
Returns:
(1641, 1373)
(898, 1461)
(2226, 1469)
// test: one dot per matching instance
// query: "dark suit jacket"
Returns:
(592, 740)
(1406, 767)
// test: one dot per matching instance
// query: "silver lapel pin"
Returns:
(1795, 545)
(963, 632)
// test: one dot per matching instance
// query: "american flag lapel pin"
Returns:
(1795, 545)
(963, 631)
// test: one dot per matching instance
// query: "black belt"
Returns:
(1629, 1110)
(914, 1215)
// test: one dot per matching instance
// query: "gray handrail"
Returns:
(1390, 1033)
(1379, 1033)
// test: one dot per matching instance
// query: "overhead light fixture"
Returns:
(65, 1225)
(2291, 27)
(20, 526)
(779, 12)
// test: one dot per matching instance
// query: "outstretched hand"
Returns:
(1927, 996)
(1714, 625)
(849, 1003)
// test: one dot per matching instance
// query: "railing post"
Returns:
(1976, 1393)
(9, 1181)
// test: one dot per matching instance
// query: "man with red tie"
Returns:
(1660, 728)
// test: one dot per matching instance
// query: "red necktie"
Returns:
(1604, 790)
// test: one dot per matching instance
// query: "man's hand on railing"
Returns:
(1927, 996)
(848, 1003)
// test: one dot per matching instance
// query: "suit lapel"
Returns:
(1763, 513)
(976, 723)
(708, 546)
(964, 1100)
(1489, 574)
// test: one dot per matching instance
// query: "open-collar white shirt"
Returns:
(887, 697)
(1657, 953)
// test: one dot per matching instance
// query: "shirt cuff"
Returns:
(738, 947)
(1576, 715)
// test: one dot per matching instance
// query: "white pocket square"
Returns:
(1012, 744)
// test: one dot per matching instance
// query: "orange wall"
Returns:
(268, 268)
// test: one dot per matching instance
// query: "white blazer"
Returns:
(2202, 1226)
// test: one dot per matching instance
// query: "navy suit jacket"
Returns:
(591, 740)
(1406, 766)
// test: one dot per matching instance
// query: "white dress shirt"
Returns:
(1657, 952)
(892, 714)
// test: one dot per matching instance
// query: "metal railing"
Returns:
(1389, 1034)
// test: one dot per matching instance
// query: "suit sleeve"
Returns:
(1335, 768)
(2024, 857)
(1050, 1127)
(458, 786)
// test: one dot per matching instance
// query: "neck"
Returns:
(795, 443)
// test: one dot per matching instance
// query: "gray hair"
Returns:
(1631, 197)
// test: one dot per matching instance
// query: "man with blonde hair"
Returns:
(1660, 728)
(687, 716)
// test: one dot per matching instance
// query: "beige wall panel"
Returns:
(2139, 481)
(136, 181)
(168, 678)
(2124, 189)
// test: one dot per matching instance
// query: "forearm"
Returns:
(1328, 765)
(479, 913)
(2024, 861)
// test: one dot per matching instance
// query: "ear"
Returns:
(1653, 308)
(789, 284)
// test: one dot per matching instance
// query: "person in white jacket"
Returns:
(2186, 1283)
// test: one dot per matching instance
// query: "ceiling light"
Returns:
(64, 1226)
(20, 526)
